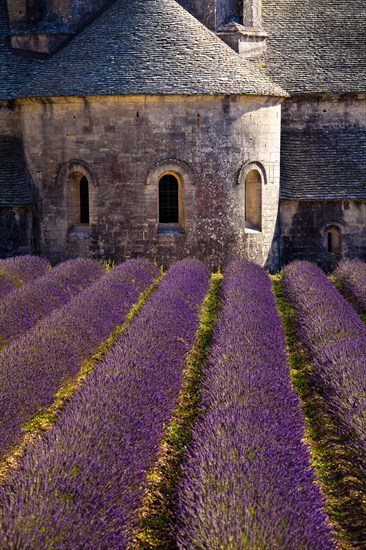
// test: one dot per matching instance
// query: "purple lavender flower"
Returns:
(336, 339)
(80, 485)
(31, 302)
(33, 367)
(17, 271)
(247, 478)
(351, 275)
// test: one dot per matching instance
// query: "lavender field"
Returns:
(79, 446)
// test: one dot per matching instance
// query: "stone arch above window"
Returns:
(251, 180)
(171, 183)
(77, 166)
(79, 182)
(252, 165)
(170, 166)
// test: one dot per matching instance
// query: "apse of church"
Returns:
(126, 147)
(131, 128)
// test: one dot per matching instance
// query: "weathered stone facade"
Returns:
(123, 145)
(323, 177)
(305, 226)
(147, 93)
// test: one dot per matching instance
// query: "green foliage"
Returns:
(329, 455)
(45, 417)
(108, 264)
(154, 530)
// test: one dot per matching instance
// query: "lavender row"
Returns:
(247, 479)
(352, 277)
(33, 367)
(22, 309)
(81, 484)
(14, 272)
(336, 339)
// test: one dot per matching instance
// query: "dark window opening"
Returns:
(168, 199)
(36, 10)
(333, 240)
(330, 248)
(84, 200)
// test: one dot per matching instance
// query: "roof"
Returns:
(323, 164)
(13, 69)
(316, 45)
(140, 47)
(13, 189)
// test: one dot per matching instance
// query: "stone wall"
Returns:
(323, 184)
(214, 13)
(15, 231)
(205, 12)
(304, 228)
(43, 26)
(70, 12)
(324, 110)
(123, 145)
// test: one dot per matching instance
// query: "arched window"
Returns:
(84, 200)
(168, 199)
(36, 10)
(333, 239)
(253, 200)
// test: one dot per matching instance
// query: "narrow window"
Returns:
(168, 199)
(253, 200)
(334, 240)
(330, 247)
(36, 10)
(84, 200)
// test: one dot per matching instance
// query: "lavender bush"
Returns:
(8, 284)
(351, 275)
(33, 367)
(248, 481)
(14, 272)
(28, 304)
(336, 339)
(81, 484)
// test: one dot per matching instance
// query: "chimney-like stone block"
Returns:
(42, 26)
(252, 14)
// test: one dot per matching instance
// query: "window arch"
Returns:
(168, 199)
(252, 180)
(79, 184)
(171, 186)
(333, 239)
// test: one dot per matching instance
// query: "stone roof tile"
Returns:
(316, 46)
(13, 189)
(144, 47)
(14, 70)
(324, 164)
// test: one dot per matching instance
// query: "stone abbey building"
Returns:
(218, 129)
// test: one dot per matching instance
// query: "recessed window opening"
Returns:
(330, 247)
(333, 240)
(84, 200)
(168, 199)
(253, 200)
(36, 10)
